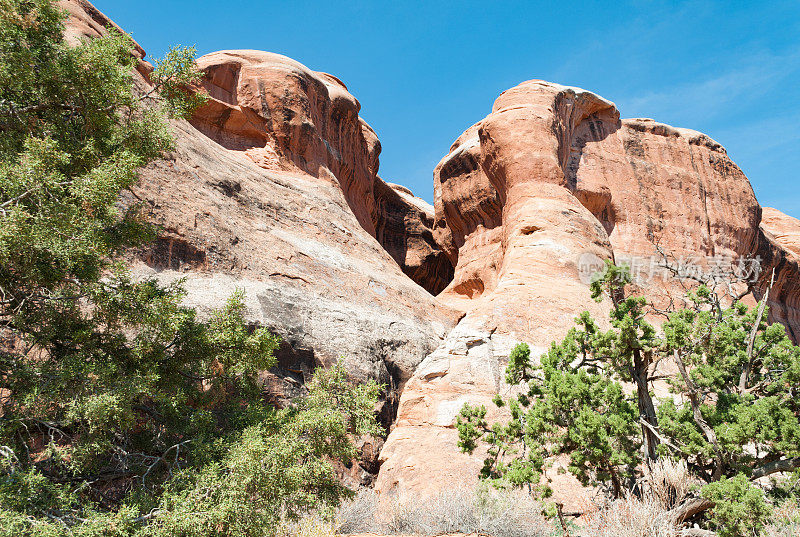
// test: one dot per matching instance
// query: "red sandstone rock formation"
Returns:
(553, 174)
(404, 227)
(779, 246)
(784, 229)
(289, 119)
(273, 188)
(86, 21)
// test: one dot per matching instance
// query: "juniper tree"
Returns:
(121, 411)
(734, 413)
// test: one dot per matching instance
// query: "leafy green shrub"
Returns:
(740, 508)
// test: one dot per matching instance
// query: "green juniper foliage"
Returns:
(567, 406)
(121, 412)
(734, 415)
(739, 507)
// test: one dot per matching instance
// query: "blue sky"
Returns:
(425, 71)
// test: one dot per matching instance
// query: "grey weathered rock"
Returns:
(311, 273)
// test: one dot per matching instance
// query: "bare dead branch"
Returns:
(782, 465)
(708, 432)
(743, 378)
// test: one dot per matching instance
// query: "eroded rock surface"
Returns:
(277, 221)
(779, 247)
(404, 227)
(553, 176)
(512, 226)
(311, 272)
(290, 120)
(273, 189)
(784, 229)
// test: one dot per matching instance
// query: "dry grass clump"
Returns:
(360, 515)
(666, 485)
(311, 525)
(667, 482)
(785, 520)
(630, 517)
(484, 512)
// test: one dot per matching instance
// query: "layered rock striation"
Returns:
(272, 188)
(290, 120)
(779, 246)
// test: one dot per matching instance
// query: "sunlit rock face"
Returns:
(274, 182)
(289, 119)
(551, 178)
(780, 248)
(272, 188)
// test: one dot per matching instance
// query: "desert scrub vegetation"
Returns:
(785, 520)
(122, 413)
(633, 516)
(732, 419)
(666, 484)
(630, 517)
(483, 511)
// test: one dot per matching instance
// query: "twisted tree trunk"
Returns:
(647, 410)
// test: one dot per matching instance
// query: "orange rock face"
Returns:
(511, 224)
(784, 229)
(550, 177)
(508, 220)
(780, 248)
(551, 174)
(287, 118)
(644, 179)
(272, 188)
(290, 120)
(86, 21)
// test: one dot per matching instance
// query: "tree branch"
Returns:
(688, 509)
(783, 465)
(661, 438)
(38, 108)
(751, 341)
(696, 532)
(708, 432)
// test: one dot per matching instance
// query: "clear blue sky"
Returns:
(425, 71)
